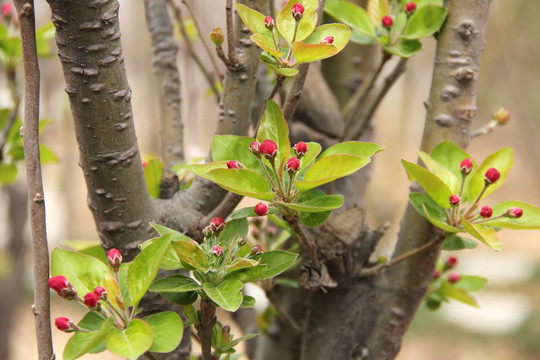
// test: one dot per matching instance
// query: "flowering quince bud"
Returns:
(491, 176)
(514, 213)
(114, 258)
(454, 200)
(387, 21)
(486, 212)
(300, 149)
(217, 224)
(217, 250)
(261, 209)
(254, 148)
(410, 7)
(233, 164)
(100, 292)
(65, 324)
(466, 166)
(91, 300)
(269, 22)
(297, 11)
(327, 40)
(64, 289)
(268, 149)
(451, 262)
(217, 37)
(292, 165)
(454, 278)
(436, 274)
(256, 249)
(501, 116)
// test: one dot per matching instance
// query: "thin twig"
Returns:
(380, 267)
(40, 249)
(230, 33)
(279, 81)
(177, 11)
(203, 41)
(485, 130)
(306, 243)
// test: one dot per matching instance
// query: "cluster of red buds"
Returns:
(449, 264)
(216, 225)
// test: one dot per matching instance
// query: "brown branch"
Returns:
(307, 244)
(40, 249)
(231, 48)
(164, 55)
(206, 328)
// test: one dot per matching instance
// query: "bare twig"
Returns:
(40, 249)
(485, 130)
(224, 208)
(308, 245)
(206, 327)
(230, 34)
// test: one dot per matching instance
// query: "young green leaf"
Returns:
(311, 48)
(288, 72)
(429, 182)
(163, 230)
(152, 176)
(144, 268)
(247, 274)
(453, 292)
(352, 15)
(248, 302)
(419, 200)
(484, 233)
(84, 342)
(274, 127)
(114, 294)
(243, 182)
(175, 283)
(232, 147)
(501, 160)
(425, 21)
(471, 283)
(191, 254)
(454, 242)
(404, 48)
(235, 228)
(227, 294)
(8, 173)
(131, 342)
(305, 53)
(317, 204)
(376, 10)
(255, 22)
(308, 159)
(309, 218)
(529, 220)
(285, 22)
(168, 330)
(355, 148)
(442, 172)
(183, 299)
(441, 225)
(203, 169)
(450, 155)
(277, 261)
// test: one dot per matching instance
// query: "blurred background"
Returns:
(507, 324)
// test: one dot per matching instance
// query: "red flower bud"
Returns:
(144, 164)
(7, 9)
(65, 324)
(297, 11)
(269, 22)
(114, 258)
(91, 300)
(514, 213)
(217, 250)
(328, 40)
(217, 37)
(217, 224)
(451, 262)
(261, 209)
(63, 287)
(254, 148)
(454, 278)
(233, 164)
(501, 116)
(292, 165)
(300, 149)
(100, 292)
(387, 21)
(486, 211)
(454, 200)
(466, 166)
(256, 249)
(268, 149)
(410, 7)
(436, 274)
(491, 176)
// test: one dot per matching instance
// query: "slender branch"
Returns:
(164, 54)
(231, 48)
(40, 249)
(485, 130)
(308, 245)
(206, 328)
(177, 11)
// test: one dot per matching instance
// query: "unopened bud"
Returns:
(114, 258)
(254, 148)
(292, 165)
(217, 37)
(268, 149)
(300, 149)
(217, 250)
(92, 301)
(491, 176)
(256, 249)
(466, 166)
(454, 200)
(297, 11)
(233, 164)
(501, 116)
(410, 7)
(65, 324)
(269, 22)
(451, 262)
(63, 287)
(100, 292)
(514, 213)
(261, 209)
(387, 21)
(217, 224)
(436, 274)
(486, 212)
(454, 278)
(242, 242)
(329, 40)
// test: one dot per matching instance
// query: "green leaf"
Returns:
(308, 159)
(83, 342)
(309, 218)
(203, 169)
(184, 299)
(175, 283)
(152, 176)
(234, 228)
(191, 254)
(47, 155)
(471, 283)
(8, 173)
(168, 329)
(43, 35)
(163, 230)
(318, 204)
(454, 242)
(429, 182)
(285, 22)
(404, 48)
(144, 268)
(419, 200)
(123, 282)
(277, 261)
(425, 21)
(274, 127)
(376, 9)
(288, 72)
(351, 15)
(441, 225)
(241, 264)
(82, 271)
(442, 172)
(453, 292)
(227, 294)
(131, 342)
(249, 212)
(170, 260)
(502, 160)
(330, 168)
(255, 23)
(266, 43)
(355, 148)
(484, 233)
(359, 38)
(305, 53)
(232, 147)
(114, 295)
(247, 274)
(529, 220)
(311, 48)
(191, 314)
(243, 182)
(248, 302)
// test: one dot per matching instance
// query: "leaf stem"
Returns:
(289, 55)
(280, 183)
(474, 205)
(276, 188)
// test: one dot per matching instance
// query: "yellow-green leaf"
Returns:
(484, 233)
(285, 22)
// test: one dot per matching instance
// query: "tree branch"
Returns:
(40, 249)
(164, 54)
